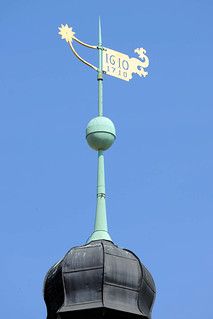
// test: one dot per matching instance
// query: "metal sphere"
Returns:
(100, 133)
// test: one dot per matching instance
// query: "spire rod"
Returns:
(100, 73)
(100, 229)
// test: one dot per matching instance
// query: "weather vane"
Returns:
(114, 63)
(100, 132)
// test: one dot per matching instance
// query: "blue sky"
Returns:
(159, 171)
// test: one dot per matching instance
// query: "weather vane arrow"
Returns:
(113, 63)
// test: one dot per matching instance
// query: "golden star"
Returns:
(66, 33)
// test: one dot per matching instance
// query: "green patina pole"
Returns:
(100, 74)
(101, 229)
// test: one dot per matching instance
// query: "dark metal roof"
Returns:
(100, 279)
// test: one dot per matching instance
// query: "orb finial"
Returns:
(100, 133)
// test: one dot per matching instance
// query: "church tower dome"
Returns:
(99, 280)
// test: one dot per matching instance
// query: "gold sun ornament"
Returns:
(66, 33)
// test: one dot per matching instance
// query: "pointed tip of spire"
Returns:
(100, 40)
